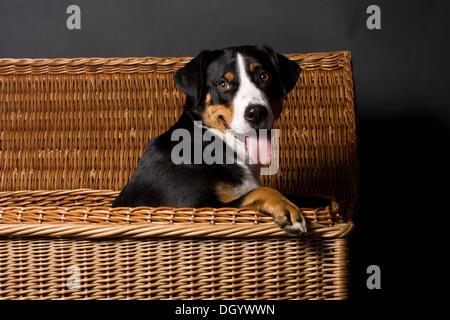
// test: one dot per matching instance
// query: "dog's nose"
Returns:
(255, 114)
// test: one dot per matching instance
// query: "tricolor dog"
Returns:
(233, 92)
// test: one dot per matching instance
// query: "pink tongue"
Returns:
(259, 148)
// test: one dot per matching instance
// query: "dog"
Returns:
(229, 93)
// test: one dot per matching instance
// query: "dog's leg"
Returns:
(286, 214)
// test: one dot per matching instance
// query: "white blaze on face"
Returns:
(246, 95)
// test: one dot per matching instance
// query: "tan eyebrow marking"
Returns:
(229, 76)
(253, 66)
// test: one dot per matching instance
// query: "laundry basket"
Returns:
(71, 134)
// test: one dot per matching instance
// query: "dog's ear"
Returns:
(191, 78)
(289, 70)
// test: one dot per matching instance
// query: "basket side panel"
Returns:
(173, 269)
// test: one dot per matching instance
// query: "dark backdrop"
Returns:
(402, 94)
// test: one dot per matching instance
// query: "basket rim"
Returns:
(98, 59)
(92, 221)
(139, 231)
(79, 65)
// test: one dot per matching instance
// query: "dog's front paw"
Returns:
(285, 214)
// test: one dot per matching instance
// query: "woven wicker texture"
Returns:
(71, 134)
(167, 269)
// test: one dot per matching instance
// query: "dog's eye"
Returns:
(224, 85)
(264, 76)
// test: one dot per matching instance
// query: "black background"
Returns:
(401, 84)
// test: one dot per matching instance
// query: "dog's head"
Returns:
(239, 88)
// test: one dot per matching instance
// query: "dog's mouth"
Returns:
(225, 123)
(257, 143)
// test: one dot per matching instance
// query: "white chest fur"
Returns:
(250, 180)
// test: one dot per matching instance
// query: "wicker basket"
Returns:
(71, 134)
